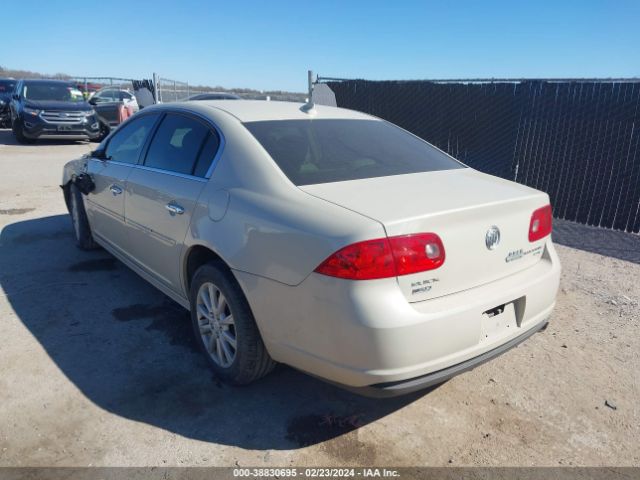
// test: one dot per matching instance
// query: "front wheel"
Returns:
(225, 328)
(104, 131)
(81, 229)
(18, 132)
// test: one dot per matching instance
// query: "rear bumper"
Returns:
(394, 389)
(366, 334)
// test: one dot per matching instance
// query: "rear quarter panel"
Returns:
(258, 222)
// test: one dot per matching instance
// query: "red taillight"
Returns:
(417, 253)
(385, 257)
(361, 261)
(540, 225)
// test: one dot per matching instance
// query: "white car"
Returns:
(114, 95)
(322, 238)
(107, 103)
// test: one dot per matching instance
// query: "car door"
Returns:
(129, 100)
(161, 194)
(105, 103)
(105, 204)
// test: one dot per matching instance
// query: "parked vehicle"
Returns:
(51, 109)
(108, 102)
(88, 88)
(215, 96)
(323, 238)
(7, 85)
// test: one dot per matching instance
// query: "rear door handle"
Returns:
(115, 189)
(174, 209)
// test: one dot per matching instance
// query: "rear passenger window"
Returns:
(207, 155)
(126, 144)
(176, 144)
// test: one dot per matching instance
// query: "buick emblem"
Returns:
(492, 238)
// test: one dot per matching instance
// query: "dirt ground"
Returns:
(98, 368)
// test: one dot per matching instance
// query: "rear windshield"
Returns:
(332, 150)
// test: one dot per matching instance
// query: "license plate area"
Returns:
(502, 320)
(65, 128)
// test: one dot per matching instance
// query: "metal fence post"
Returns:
(156, 86)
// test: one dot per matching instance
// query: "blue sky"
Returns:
(271, 44)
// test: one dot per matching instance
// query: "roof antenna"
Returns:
(309, 107)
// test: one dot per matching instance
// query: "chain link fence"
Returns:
(575, 139)
(93, 84)
(174, 90)
(164, 89)
(177, 91)
(90, 85)
(169, 90)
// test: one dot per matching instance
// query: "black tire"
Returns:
(19, 134)
(104, 131)
(251, 360)
(81, 229)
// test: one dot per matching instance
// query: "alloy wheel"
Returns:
(216, 325)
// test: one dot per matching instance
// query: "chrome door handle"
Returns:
(115, 189)
(174, 209)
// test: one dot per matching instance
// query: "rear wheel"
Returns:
(81, 229)
(225, 328)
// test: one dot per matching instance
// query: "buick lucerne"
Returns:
(322, 238)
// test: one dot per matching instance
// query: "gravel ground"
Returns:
(98, 368)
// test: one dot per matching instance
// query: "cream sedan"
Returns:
(322, 238)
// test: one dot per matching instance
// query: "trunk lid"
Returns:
(458, 205)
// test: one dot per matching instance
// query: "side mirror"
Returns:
(93, 101)
(15, 96)
(99, 154)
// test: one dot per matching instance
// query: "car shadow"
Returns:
(130, 350)
(7, 138)
(610, 243)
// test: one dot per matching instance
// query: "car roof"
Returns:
(262, 110)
